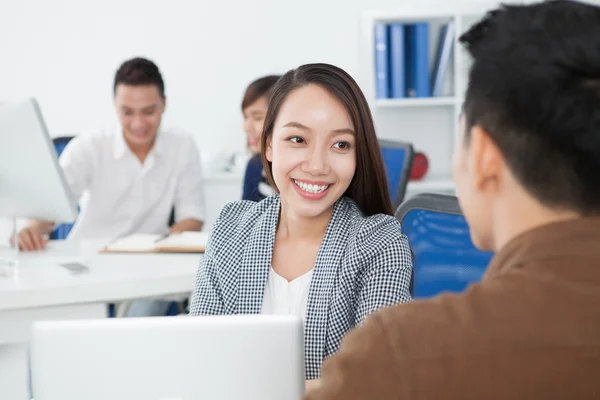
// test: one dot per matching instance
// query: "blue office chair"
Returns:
(62, 231)
(444, 258)
(60, 143)
(398, 158)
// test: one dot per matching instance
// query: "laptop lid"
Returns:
(174, 358)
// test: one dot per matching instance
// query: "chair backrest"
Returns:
(444, 257)
(398, 158)
(60, 143)
(172, 217)
(62, 230)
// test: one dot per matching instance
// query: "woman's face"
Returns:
(312, 151)
(254, 119)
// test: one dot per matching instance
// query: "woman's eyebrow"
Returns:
(298, 125)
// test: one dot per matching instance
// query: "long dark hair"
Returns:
(369, 187)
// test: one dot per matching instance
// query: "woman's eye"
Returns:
(342, 145)
(296, 139)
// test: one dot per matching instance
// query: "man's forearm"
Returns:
(189, 224)
(43, 227)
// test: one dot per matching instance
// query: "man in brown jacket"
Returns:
(527, 171)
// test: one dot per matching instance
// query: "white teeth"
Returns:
(311, 188)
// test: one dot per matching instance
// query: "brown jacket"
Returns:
(529, 330)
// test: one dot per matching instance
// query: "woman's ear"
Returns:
(269, 149)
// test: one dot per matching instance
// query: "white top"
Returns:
(283, 297)
(120, 196)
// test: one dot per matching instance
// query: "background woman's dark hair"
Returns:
(369, 187)
(259, 88)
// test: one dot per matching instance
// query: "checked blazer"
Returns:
(363, 264)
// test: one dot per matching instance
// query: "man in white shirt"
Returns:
(129, 179)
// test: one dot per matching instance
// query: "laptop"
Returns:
(169, 358)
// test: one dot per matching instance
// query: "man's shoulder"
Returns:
(90, 142)
(452, 323)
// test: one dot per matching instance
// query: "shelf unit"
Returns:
(417, 102)
(431, 124)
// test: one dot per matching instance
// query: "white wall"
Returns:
(65, 53)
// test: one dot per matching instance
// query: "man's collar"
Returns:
(120, 146)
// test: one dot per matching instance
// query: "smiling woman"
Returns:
(326, 247)
(328, 112)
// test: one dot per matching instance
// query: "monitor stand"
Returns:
(9, 254)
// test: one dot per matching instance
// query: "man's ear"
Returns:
(485, 159)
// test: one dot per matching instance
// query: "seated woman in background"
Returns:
(327, 247)
(254, 108)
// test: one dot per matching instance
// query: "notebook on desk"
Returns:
(185, 242)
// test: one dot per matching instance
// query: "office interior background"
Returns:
(65, 53)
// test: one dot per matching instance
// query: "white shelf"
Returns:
(411, 14)
(417, 102)
(431, 124)
(432, 184)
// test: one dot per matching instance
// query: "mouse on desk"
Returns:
(76, 268)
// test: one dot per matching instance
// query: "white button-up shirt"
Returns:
(119, 196)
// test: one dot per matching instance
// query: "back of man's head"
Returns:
(534, 87)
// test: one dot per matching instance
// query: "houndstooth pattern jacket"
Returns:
(364, 263)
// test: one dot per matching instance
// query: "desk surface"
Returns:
(41, 281)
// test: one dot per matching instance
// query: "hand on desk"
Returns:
(34, 237)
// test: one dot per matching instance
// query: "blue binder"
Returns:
(417, 63)
(397, 64)
(382, 76)
(443, 56)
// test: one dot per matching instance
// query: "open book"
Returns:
(185, 242)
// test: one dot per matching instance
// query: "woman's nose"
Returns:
(316, 162)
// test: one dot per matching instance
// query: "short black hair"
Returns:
(259, 88)
(137, 72)
(534, 86)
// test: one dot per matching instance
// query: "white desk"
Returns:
(43, 290)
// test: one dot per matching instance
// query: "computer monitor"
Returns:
(176, 358)
(31, 181)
